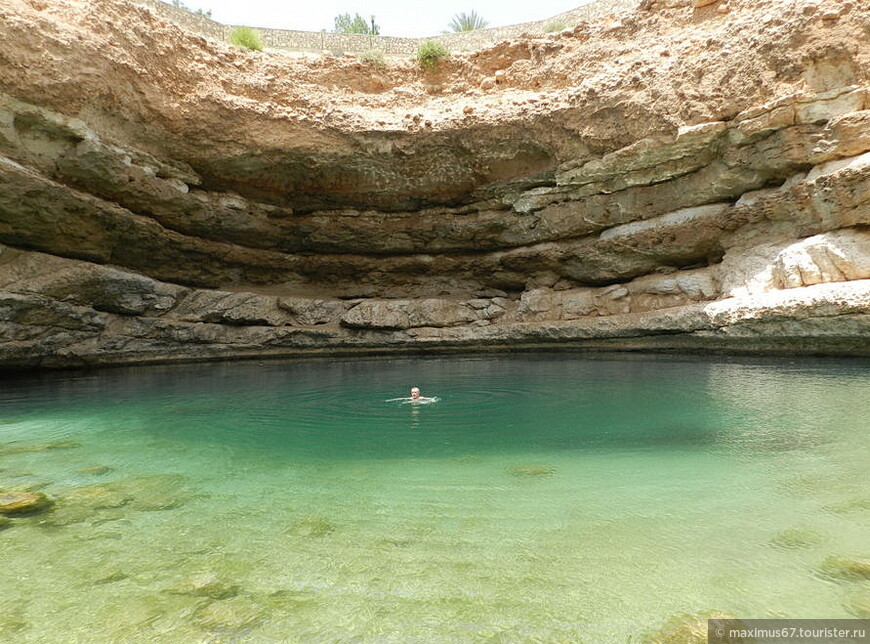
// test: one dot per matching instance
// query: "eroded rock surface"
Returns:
(673, 177)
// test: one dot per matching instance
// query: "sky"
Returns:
(412, 18)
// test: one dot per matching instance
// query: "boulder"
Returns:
(15, 503)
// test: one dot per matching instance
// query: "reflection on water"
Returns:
(543, 498)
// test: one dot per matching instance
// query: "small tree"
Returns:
(430, 53)
(347, 24)
(199, 12)
(247, 38)
(467, 22)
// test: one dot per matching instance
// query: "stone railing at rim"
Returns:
(316, 41)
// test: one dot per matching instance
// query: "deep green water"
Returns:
(543, 499)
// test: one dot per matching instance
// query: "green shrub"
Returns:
(555, 26)
(247, 38)
(430, 53)
(373, 57)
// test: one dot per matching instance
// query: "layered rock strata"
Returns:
(671, 178)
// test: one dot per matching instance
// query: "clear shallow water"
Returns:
(543, 498)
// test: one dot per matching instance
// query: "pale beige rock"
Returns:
(313, 311)
(839, 256)
(858, 162)
(405, 314)
(231, 308)
(649, 160)
(820, 300)
(648, 293)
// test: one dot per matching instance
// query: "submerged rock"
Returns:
(858, 603)
(846, 568)
(23, 502)
(90, 503)
(24, 482)
(312, 527)
(5, 522)
(683, 628)
(206, 585)
(108, 575)
(108, 501)
(796, 538)
(11, 623)
(97, 497)
(35, 486)
(152, 493)
(96, 470)
(40, 447)
(284, 600)
(531, 471)
(229, 615)
(852, 506)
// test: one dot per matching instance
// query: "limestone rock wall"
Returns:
(669, 178)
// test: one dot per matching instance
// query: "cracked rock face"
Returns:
(678, 176)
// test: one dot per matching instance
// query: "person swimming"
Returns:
(415, 397)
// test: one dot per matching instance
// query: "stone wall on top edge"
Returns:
(310, 41)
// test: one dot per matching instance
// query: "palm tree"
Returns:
(467, 22)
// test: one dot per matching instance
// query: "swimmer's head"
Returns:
(415, 392)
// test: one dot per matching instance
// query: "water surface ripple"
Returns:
(543, 498)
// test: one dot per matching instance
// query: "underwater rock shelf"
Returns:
(668, 178)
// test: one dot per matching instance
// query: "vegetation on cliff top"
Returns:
(554, 26)
(430, 53)
(247, 38)
(373, 57)
(467, 22)
(345, 24)
(199, 12)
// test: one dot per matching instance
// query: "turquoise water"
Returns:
(542, 499)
